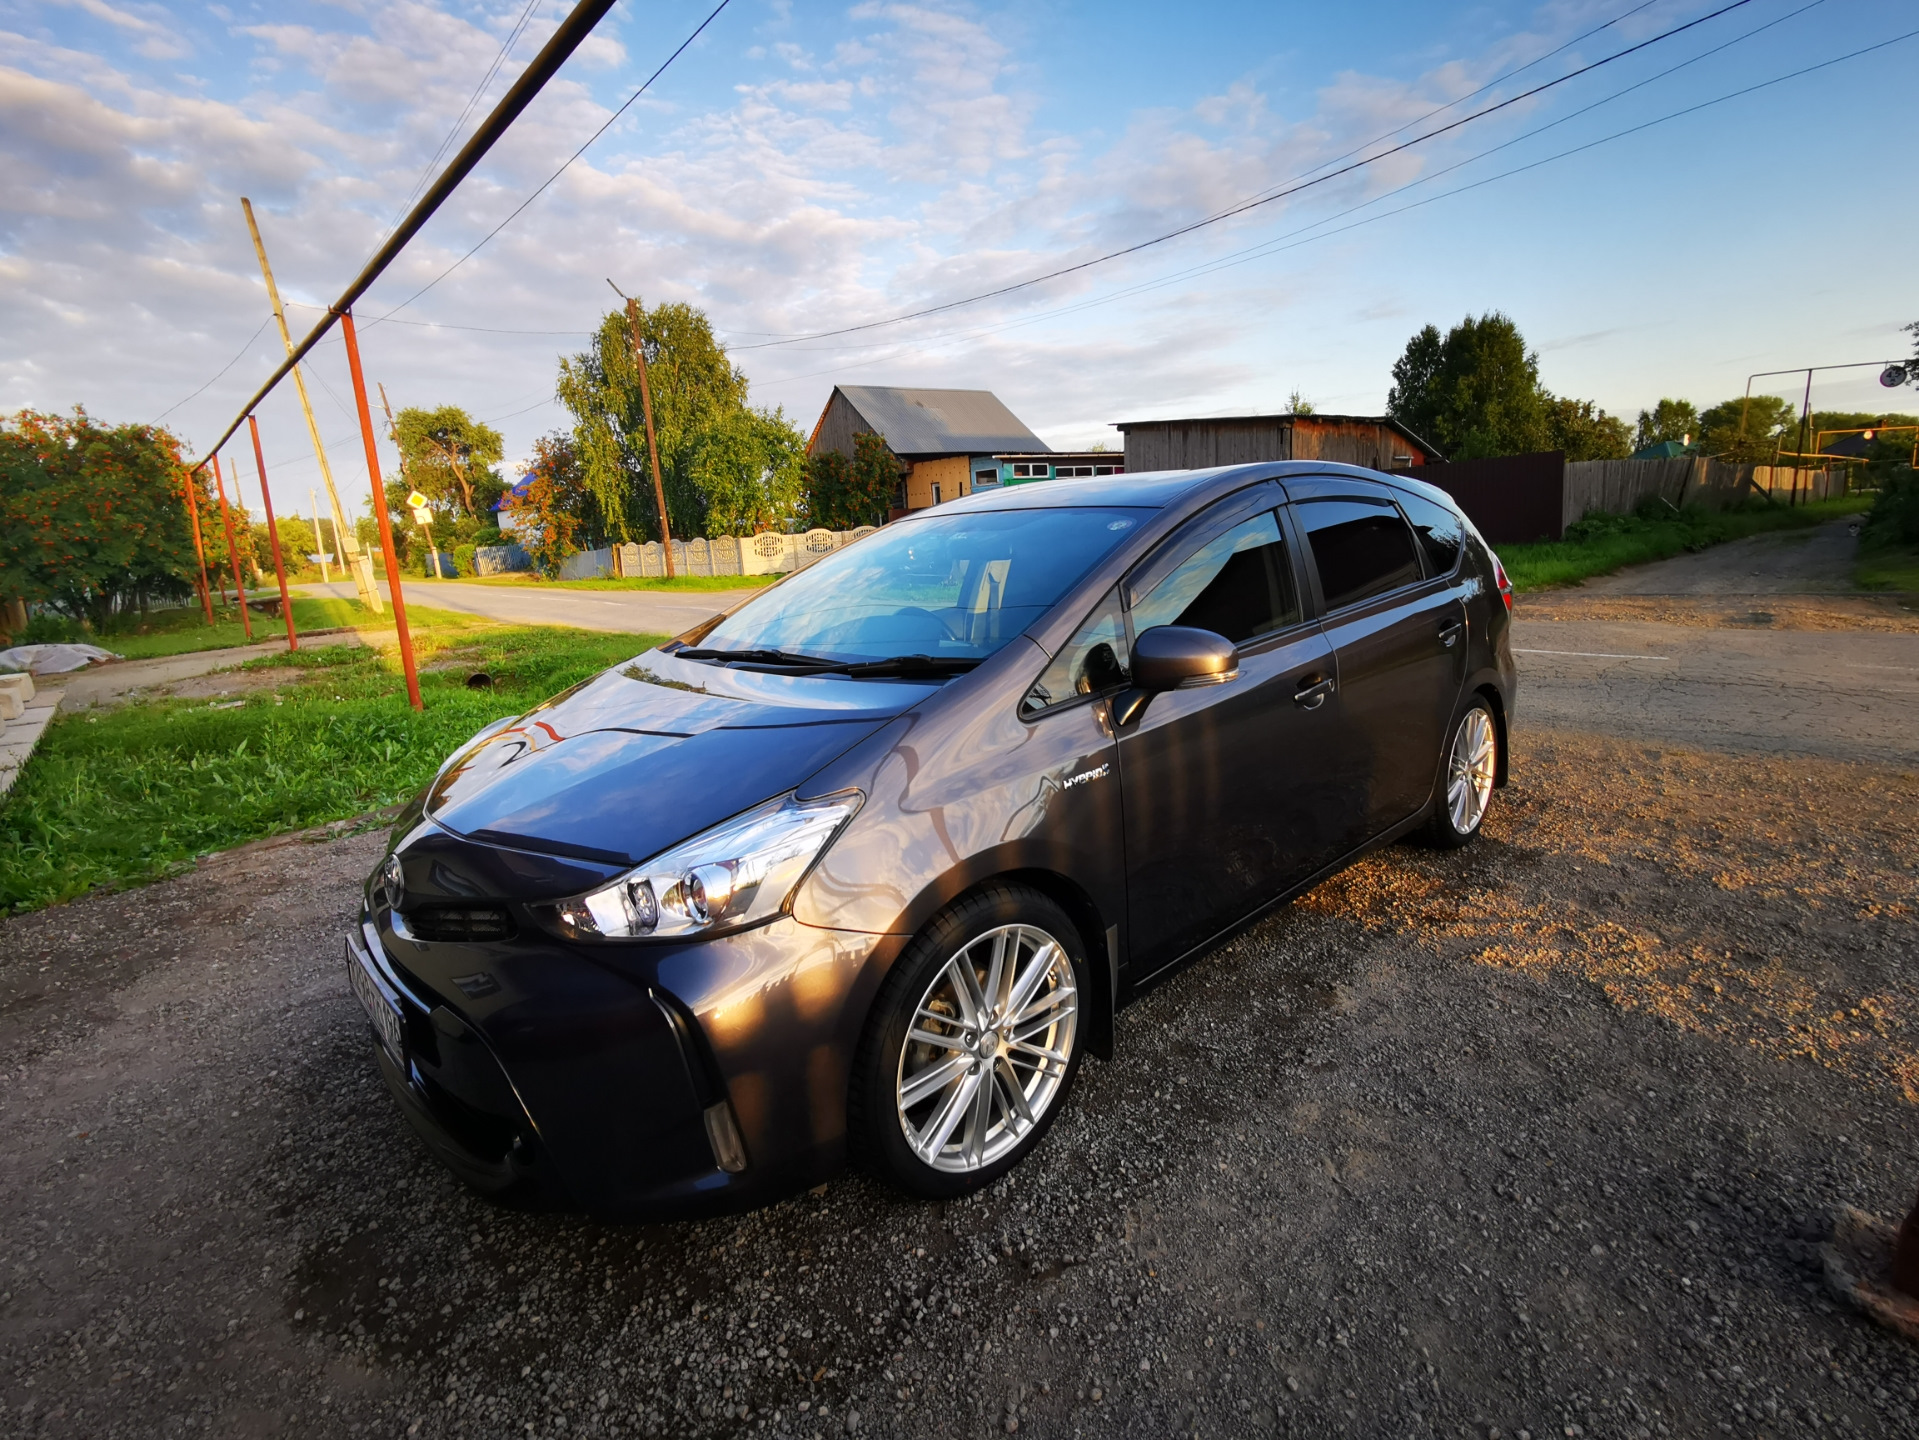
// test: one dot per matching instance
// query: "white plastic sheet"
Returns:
(53, 659)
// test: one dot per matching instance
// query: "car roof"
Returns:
(1156, 489)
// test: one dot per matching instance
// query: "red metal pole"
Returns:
(379, 511)
(273, 535)
(233, 550)
(199, 550)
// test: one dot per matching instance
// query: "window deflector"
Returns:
(1210, 523)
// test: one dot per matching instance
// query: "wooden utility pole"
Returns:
(273, 534)
(199, 550)
(350, 557)
(319, 536)
(646, 408)
(233, 549)
(379, 510)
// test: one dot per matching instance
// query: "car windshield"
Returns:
(952, 587)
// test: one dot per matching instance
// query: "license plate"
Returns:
(383, 1012)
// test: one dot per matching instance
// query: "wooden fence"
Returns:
(1615, 487)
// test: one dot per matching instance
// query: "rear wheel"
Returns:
(1466, 785)
(973, 1044)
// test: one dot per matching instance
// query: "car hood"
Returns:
(649, 753)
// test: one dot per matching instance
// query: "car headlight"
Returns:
(736, 874)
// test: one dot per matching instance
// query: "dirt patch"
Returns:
(1736, 612)
(1534, 1138)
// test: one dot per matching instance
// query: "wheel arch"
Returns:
(1495, 702)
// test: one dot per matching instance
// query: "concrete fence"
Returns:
(768, 553)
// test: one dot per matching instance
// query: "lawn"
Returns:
(631, 582)
(1602, 544)
(1888, 567)
(121, 796)
(183, 630)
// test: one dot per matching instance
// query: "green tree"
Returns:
(748, 467)
(1475, 392)
(696, 389)
(553, 504)
(1584, 431)
(1746, 431)
(450, 458)
(1676, 420)
(843, 493)
(93, 517)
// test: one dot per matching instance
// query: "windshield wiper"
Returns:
(906, 665)
(758, 657)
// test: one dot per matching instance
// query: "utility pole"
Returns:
(646, 407)
(233, 550)
(319, 536)
(199, 550)
(379, 510)
(393, 434)
(273, 534)
(350, 556)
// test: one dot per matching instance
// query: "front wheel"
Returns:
(1472, 761)
(973, 1045)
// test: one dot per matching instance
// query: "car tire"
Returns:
(1467, 769)
(954, 1086)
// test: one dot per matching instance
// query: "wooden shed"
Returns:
(945, 440)
(1378, 442)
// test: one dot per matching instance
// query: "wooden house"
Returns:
(947, 441)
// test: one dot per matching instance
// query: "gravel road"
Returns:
(1531, 1139)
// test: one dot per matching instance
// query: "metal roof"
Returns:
(941, 422)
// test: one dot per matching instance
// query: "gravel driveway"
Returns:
(1532, 1139)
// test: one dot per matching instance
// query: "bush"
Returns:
(1894, 519)
(463, 559)
(49, 629)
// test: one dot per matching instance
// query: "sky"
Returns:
(806, 168)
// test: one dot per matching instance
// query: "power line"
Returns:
(506, 48)
(569, 161)
(1253, 204)
(443, 325)
(223, 370)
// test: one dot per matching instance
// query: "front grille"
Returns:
(456, 923)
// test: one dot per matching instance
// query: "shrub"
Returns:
(463, 559)
(1894, 519)
(47, 628)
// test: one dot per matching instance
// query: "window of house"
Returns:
(1093, 662)
(1439, 530)
(984, 478)
(1362, 549)
(1239, 584)
(936, 492)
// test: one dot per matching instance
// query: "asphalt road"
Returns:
(630, 612)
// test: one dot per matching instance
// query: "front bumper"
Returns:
(628, 1079)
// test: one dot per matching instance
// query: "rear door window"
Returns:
(1361, 548)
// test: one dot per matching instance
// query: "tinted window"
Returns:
(1238, 584)
(1362, 549)
(1440, 532)
(958, 585)
(1093, 661)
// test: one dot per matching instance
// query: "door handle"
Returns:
(1450, 632)
(1312, 691)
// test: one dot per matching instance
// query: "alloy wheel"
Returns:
(1469, 771)
(988, 1050)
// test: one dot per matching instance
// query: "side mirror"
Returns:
(1174, 657)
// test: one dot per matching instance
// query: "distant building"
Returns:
(1378, 442)
(1023, 469)
(947, 441)
(1666, 450)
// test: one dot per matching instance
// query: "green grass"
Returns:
(127, 795)
(1602, 544)
(180, 632)
(1888, 567)
(632, 582)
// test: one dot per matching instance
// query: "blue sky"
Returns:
(807, 167)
